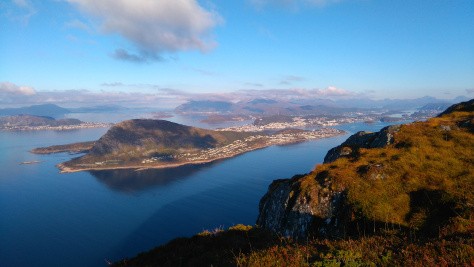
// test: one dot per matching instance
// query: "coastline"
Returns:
(86, 125)
(139, 167)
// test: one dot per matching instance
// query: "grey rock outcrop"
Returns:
(362, 140)
(298, 207)
(290, 211)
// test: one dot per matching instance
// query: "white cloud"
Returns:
(8, 88)
(154, 26)
(294, 94)
(334, 91)
(131, 95)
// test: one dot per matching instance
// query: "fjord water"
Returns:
(82, 219)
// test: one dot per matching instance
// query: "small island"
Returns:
(75, 148)
(146, 143)
(40, 123)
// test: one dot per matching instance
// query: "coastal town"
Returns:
(248, 144)
(295, 122)
(199, 156)
(84, 125)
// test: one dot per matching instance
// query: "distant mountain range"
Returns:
(261, 107)
(258, 107)
(268, 106)
(98, 109)
(48, 110)
(34, 121)
(55, 111)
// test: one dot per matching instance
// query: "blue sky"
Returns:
(165, 49)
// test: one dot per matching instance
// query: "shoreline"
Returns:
(67, 169)
(56, 128)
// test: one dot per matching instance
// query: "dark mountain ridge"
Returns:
(33, 121)
(48, 110)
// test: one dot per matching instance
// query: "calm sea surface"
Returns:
(81, 219)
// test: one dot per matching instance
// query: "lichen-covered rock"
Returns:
(295, 207)
(308, 204)
(362, 140)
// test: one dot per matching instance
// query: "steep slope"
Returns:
(467, 106)
(418, 176)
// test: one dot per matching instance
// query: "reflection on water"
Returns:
(78, 219)
(138, 180)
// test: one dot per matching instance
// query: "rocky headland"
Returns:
(400, 197)
(382, 178)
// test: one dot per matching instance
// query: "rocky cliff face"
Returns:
(376, 179)
(298, 206)
(292, 211)
(362, 140)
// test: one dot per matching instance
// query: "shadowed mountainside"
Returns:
(128, 143)
(159, 134)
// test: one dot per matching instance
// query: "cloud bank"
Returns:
(152, 95)
(8, 88)
(154, 27)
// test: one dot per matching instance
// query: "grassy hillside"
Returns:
(133, 140)
(410, 203)
(250, 246)
(424, 181)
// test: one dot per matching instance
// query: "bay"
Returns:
(83, 219)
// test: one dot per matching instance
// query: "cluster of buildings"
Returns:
(298, 122)
(250, 143)
(84, 125)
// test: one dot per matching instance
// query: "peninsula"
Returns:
(145, 144)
